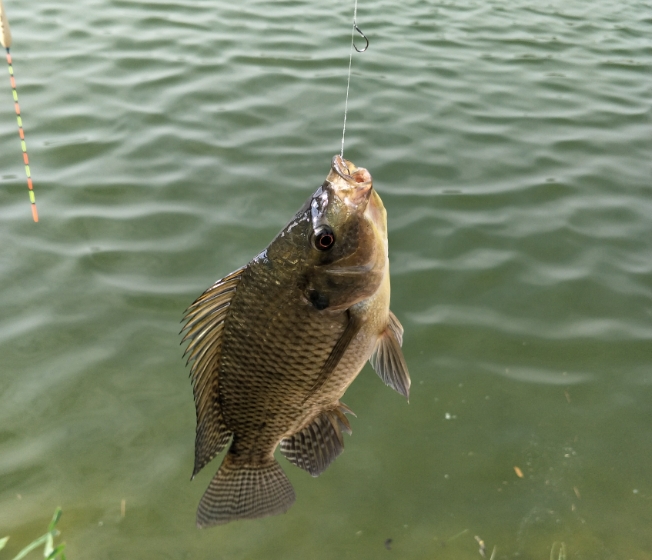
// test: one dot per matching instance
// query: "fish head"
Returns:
(346, 251)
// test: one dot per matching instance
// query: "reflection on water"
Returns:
(170, 141)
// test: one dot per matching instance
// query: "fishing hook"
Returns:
(355, 26)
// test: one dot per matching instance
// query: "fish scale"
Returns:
(286, 374)
(275, 344)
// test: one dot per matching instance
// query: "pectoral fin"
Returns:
(318, 444)
(352, 328)
(387, 358)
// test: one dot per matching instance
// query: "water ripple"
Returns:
(171, 140)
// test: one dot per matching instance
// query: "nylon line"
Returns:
(348, 80)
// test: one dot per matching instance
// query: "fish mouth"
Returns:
(358, 176)
(352, 184)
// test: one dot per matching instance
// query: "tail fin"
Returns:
(245, 491)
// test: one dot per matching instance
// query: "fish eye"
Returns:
(324, 238)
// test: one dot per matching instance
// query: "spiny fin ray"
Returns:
(205, 324)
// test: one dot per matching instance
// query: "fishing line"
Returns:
(354, 29)
(5, 41)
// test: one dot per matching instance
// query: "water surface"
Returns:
(171, 140)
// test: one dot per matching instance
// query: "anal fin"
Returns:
(387, 358)
(317, 445)
(245, 491)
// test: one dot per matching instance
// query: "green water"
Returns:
(171, 140)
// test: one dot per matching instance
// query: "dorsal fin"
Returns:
(387, 358)
(204, 326)
(318, 444)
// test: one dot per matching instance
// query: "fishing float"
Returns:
(5, 41)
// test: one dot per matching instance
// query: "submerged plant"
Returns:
(559, 547)
(50, 552)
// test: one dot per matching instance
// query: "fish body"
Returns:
(275, 345)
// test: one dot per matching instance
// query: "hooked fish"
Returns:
(275, 344)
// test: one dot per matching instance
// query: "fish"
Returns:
(275, 344)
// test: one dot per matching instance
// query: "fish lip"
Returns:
(359, 177)
(352, 184)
